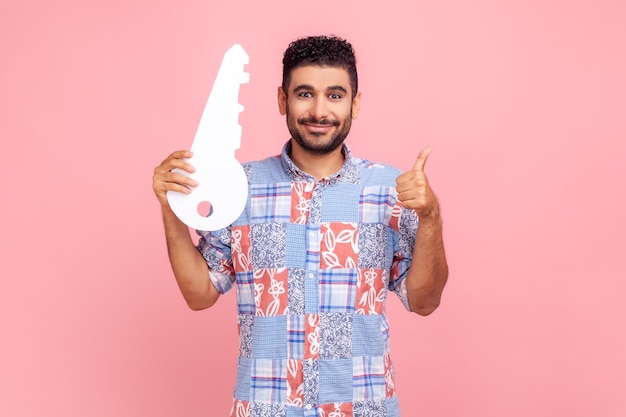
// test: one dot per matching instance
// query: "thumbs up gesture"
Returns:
(413, 189)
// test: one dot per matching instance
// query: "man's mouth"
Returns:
(318, 126)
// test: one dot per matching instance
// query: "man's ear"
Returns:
(356, 105)
(282, 101)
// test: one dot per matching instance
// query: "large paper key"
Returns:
(222, 183)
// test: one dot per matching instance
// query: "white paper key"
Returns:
(221, 178)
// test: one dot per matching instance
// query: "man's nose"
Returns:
(320, 108)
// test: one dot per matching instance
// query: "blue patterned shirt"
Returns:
(313, 262)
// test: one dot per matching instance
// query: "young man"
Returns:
(323, 238)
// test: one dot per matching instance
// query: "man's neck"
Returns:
(318, 166)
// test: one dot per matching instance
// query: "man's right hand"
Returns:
(165, 180)
(188, 264)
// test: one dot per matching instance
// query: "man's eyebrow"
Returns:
(337, 88)
(307, 87)
(302, 87)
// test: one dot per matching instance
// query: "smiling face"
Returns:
(319, 107)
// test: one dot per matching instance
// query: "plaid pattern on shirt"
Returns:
(313, 262)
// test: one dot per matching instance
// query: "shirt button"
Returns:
(308, 406)
(311, 275)
(311, 234)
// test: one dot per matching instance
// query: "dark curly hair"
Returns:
(320, 50)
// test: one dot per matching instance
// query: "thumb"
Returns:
(421, 159)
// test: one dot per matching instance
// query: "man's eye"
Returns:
(335, 96)
(306, 95)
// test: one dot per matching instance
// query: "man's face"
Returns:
(319, 107)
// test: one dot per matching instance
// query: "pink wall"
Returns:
(524, 103)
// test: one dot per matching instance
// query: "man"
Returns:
(323, 238)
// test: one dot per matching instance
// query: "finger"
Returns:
(180, 154)
(180, 161)
(178, 178)
(173, 181)
(182, 165)
(177, 155)
(177, 188)
(421, 159)
(175, 160)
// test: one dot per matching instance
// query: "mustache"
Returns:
(311, 120)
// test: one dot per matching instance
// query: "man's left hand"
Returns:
(414, 192)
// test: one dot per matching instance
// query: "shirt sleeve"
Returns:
(215, 248)
(403, 253)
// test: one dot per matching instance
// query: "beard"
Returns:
(316, 143)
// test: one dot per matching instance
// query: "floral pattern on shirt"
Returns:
(270, 291)
(295, 383)
(408, 230)
(240, 409)
(245, 322)
(339, 245)
(335, 336)
(369, 409)
(268, 410)
(240, 247)
(311, 373)
(371, 291)
(335, 410)
(300, 202)
(312, 338)
(389, 376)
(295, 291)
(371, 252)
(269, 241)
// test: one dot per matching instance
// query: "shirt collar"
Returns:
(347, 170)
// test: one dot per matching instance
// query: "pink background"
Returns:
(523, 101)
